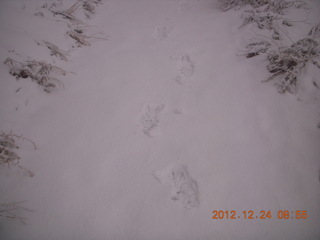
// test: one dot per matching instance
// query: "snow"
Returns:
(158, 110)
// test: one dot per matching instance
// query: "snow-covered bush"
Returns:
(285, 62)
(236, 4)
(256, 48)
(40, 72)
(266, 20)
(315, 31)
(288, 62)
(278, 6)
(265, 14)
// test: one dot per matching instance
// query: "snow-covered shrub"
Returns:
(315, 31)
(40, 72)
(256, 48)
(288, 62)
(268, 21)
(236, 4)
(266, 15)
(278, 6)
(13, 211)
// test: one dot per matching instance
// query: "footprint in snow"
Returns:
(185, 67)
(149, 119)
(184, 6)
(184, 189)
(162, 32)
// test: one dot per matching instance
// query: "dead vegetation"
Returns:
(81, 38)
(14, 211)
(315, 31)
(275, 6)
(266, 21)
(68, 13)
(87, 6)
(8, 148)
(286, 63)
(286, 58)
(256, 48)
(39, 71)
(55, 50)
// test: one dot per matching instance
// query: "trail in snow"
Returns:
(155, 92)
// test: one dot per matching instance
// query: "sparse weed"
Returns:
(275, 6)
(56, 51)
(68, 13)
(88, 7)
(13, 211)
(82, 39)
(39, 71)
(236, 4)
(79, 37)
(8, 146)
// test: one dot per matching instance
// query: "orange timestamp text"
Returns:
(263, 214)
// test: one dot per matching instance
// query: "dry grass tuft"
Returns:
(40, 72)
(8, 146)
(13, 211)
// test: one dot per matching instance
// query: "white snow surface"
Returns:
(159, 123)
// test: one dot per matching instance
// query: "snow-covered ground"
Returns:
(159, 122)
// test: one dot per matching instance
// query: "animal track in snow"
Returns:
(149, 119)
(161, 33)
(186, 67)
(183, 188)
(183, 6)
